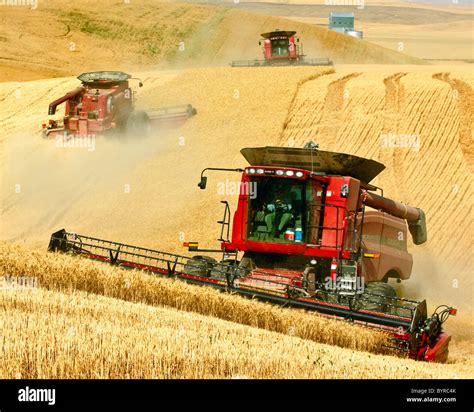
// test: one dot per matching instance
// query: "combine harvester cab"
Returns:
(301, 237)
(105, 102)
(281, 48)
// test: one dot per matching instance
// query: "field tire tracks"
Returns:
(392, 157)
(465, 105)
(292, 108)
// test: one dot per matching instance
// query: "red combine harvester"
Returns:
(281, 48)
(105, 102)
(302, 237)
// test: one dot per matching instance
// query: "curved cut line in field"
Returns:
(293, 101)
(311, 115)
(394, 92)
(465, 103)
(336, 97)
(393, 104)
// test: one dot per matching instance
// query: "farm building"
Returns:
(343, 22)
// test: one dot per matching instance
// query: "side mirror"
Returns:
(140, 84)
(202, 184)
(259, 43)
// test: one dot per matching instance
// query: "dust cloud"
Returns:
(43, 179)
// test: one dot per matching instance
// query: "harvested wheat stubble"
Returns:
(50, 334)
(62, 272)
(402, 104)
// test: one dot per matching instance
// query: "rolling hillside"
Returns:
(144, 34)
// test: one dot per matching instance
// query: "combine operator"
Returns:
(279, 212)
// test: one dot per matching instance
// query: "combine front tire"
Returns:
(200, 266)
(138, 124)
(377, 297)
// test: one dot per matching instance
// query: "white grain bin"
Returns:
(355, 33)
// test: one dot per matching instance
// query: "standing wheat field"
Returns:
(87, 320)
(47, 334)
(67, 273)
